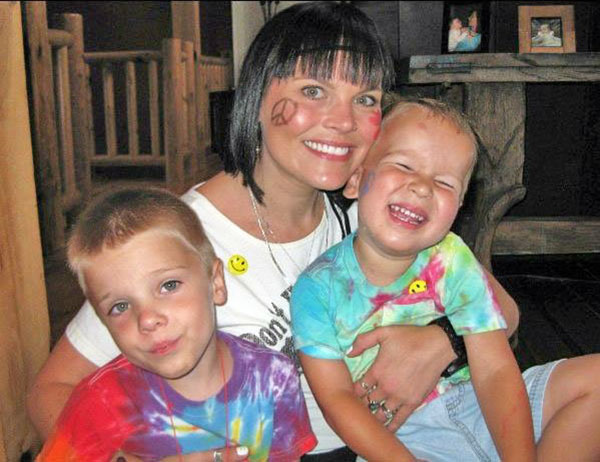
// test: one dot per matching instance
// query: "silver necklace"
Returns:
(266, 230)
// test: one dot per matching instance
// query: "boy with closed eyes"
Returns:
(404, 266)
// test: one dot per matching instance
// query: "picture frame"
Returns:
(547, 29)
(466, 27)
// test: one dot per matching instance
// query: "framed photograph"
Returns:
(466, 27)
(546, 29)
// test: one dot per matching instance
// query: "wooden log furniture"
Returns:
(63, 104)
(493, 86)
(24, 330)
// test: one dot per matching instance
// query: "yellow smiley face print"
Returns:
(417, 287)
(237, 265)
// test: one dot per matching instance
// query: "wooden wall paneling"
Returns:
(24, 327)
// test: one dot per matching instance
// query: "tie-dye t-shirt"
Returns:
(333, 302)
(122, 406)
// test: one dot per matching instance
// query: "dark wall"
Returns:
(562, 133)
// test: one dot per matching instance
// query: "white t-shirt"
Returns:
(257, 305)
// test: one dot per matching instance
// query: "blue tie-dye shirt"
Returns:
(122, 406)
(333, 302)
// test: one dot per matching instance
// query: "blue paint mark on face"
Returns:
(364, 188)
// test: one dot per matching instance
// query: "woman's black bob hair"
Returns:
(310, 34)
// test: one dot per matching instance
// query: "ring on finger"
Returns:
(217, 456)
(389, 414)
(375, 405)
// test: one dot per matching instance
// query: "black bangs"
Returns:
(317, 43)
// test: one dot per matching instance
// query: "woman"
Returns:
(306, 110)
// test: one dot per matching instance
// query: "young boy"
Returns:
(144, 262)
(404, 266)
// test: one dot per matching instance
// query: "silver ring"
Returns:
(375, 405)
(217, 456)
(368, 388)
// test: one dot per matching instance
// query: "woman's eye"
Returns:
(118, 308)
(313, 92)
(367, 100)
(405, 167)
(170, 286)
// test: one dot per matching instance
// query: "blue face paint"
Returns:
(364, 188)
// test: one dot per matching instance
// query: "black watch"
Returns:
(458, 345)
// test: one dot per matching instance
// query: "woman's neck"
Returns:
(291, 210)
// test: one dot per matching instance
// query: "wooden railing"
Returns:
(65, 140)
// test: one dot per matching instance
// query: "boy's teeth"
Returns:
(406, 215)
(327, 149)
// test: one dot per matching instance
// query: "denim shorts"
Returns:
(452, 427)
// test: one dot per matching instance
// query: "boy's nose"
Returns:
(422, 187)
(149, 319)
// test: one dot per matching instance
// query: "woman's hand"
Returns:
(407, 368)
(230, 454)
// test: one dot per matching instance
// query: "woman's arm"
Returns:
(332, 386)
(63, 370)
(411, 359)
(501, 394)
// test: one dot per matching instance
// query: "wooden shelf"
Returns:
(504, 67)
(493, 97)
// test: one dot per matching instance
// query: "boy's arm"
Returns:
(501, 394)
(347, 415)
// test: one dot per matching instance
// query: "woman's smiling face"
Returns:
(317, 132)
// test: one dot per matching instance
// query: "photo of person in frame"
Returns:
(464, 28)
(546, 32)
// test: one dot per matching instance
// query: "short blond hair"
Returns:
(396, 104)
(115, 217)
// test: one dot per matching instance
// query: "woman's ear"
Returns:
(353, 185)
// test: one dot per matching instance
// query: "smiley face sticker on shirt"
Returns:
(237, 265)
(418, 286)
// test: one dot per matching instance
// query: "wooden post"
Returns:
(65, 134)
(109, 109)
(44, 128)
(24, 329)
(190, 100)
(174, 131)
(153, 95)
(132, 115)
(498, 110)
(185, 19)
(83, 147)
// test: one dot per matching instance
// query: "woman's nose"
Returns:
(340, 116)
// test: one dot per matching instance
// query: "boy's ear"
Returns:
(353, 185)
(219, 289)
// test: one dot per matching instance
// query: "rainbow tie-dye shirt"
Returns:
(122, 407)
(333, 302)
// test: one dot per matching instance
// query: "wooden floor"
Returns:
(559, 299)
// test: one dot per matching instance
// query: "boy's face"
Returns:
(412, 183)
(157, 300)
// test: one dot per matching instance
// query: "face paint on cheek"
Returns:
(283, 111)
(375, 121)
(364, 188)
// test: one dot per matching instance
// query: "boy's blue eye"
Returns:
(118, 308)
(170, 286)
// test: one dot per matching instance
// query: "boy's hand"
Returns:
(407, 368)
(230, 454)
